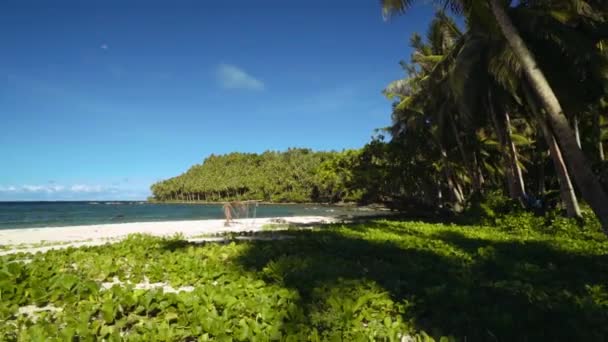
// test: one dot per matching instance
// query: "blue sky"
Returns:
(99, 99)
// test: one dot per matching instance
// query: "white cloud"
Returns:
(86, 188)
(52, 191)
(42, 188)
(54, 188)
(34, 188)
(233, 77)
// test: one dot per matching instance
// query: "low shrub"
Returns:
(525, 278)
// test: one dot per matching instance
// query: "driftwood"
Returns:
(227, 214)
(234, 209)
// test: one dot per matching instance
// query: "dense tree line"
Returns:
(296, 175)
(515, 101)
(379, 172)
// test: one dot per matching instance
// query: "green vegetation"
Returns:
(292, 176)
(296, 175)
(488, 101)
(513, 103)
(473, 115)
(37, 245)
(526, 278)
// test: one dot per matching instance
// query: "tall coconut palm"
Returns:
(570, 57)
(445, 82)
(587, 182)
(420, 104)
(499, 19)
(478, 94)
(566, 189)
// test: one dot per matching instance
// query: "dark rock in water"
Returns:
(118, 217)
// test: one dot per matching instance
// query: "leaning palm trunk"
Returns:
(587, 182)
(514, 176)
(517, 174)
(597, 127)
(457, 197)
(541, 172)
(467, 162)
(577, 132)
(500, 134)
(566, 189)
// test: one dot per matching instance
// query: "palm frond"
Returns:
(396, 7)
(467, 77)
(521, 140)
(398, 88)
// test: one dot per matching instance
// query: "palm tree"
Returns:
(446, 79)
(421, 105)
(587, 182)
(569, 56)
(566, 189)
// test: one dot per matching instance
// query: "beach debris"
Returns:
(33, 311)
(147, 285)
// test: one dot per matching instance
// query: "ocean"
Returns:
(56, 214)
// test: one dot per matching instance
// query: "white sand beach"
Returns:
(46, 238)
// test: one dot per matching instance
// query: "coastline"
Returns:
(41, 239)
(355, 205)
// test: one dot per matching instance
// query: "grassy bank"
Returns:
(373, 280)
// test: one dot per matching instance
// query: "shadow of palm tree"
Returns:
(445, 283)
(506, 291)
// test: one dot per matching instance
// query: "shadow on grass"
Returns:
(475, 290)
(411, 215)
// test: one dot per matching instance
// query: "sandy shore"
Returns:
(43, 239)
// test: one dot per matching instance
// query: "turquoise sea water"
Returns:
(54, 214)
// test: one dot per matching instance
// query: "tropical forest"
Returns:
(514, 108)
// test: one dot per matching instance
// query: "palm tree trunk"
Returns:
(565, 185)
(470, 167)
(500, 134)
(577, 133)
(456, 196)
(598, 134)
(459, 188)
(587, 182)
(456, 190)
(479, 179)
(566, 189)
(541, 176)
(517, 174)
(540, 163)
(503, 132)
(439, 195)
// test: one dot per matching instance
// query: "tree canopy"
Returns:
(295, 175)
(514, 102)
